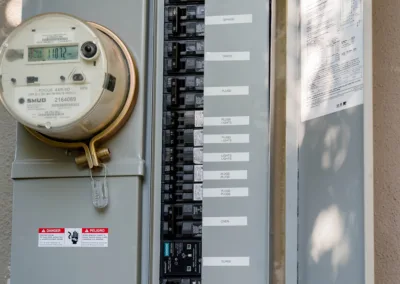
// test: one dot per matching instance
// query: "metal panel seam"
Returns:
(157, 140)
(292, 149)
(272, 34)
(369, 251)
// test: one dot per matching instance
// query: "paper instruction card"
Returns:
(73, 237)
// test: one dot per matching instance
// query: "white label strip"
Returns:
(224, 175)
(226, 139)
(224, 221)
(198, 173)
(198, 156)
(229, 19)
(226, 121)
(198, 137)
(53, 37)
(226, 157)
(226, 261)
(198, 191)
(227, 56)
(226, 192)
(198, 118)
(227, 91)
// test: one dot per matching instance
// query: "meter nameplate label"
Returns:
(47, 104)
(73, 237)
(54, 37)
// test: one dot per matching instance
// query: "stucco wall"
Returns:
(387, 140)
(7, 142)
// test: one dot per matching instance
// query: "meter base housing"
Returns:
(50, 191)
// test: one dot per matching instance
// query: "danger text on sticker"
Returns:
(51, 230)
(95, 230)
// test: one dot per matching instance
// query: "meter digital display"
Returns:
(53, 53)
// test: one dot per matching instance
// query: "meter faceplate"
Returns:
(61, 77)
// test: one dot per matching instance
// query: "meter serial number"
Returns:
(65, 99)
(51, 113)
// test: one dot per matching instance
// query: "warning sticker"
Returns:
(73, 237)
(51, 237)
(42, 105)
(95, 237)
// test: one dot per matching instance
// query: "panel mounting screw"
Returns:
(62, 78)
(13, 80)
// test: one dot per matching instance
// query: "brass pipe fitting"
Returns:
(102, 155)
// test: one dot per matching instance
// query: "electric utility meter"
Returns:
(62, 77)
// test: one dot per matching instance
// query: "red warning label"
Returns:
(73, 237)
(95, 231)
(94, 237)
(51, 237)
(51, 230)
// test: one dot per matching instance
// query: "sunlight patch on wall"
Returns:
(336, 142)
(329, 236)
(13, 12)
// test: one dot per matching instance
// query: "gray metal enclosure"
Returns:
(51, 192)
(329, 169)
(333, 196)
(251, 241)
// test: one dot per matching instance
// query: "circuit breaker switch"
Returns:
(174, 16)
(175, 55)
(174, 92)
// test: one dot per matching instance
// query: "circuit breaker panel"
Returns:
(182, 153)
